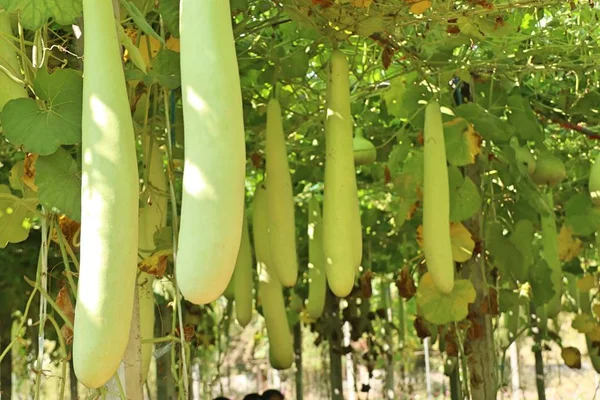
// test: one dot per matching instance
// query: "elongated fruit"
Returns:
(317, 280)
(341, 218)
(9, 89)
(594, 181)
(436, 202)
(242, 280)
(280, 200)
(109, 204)
(215, 154)
(550, 249)
(153, 217)
(270, 293)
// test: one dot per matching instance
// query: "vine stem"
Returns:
(175, 232)
(42, 280)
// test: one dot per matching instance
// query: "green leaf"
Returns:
(59, 183)
(506, 255)
(403, 97)
(397, 156)
(522, 239)
(440, 308)
(42, 128)
(486, 124)
(35, 13)
(588, 107)
(541, 284)
(457, 143)
(165, 69)
(15, 217)
(508, 299)
(583, 323)
(140, 20)
(465, 200)
(524, 120)
(295, 65)
(581, 215)
(169, 10)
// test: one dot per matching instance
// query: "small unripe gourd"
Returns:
(365, 152)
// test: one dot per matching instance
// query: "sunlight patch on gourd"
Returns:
(194, 100)
(196, 184)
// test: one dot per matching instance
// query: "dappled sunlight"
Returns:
(195, 183)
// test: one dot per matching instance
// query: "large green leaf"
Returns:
(524, 120)
(581, 215)
(506, 255)
(486, 124)
(541, 284)
(465, 200)
(59, 183)
(440, 308)
(42, 127)
(35, 13)
(16, 216)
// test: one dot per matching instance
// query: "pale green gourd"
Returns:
(153, 217)
(215, 151)
(342, 236)
(365, 152)
(270, 291)
(436, 202)
(243, 281)
(109, 204)
(317, 280)
(280, 199)
(550, 250)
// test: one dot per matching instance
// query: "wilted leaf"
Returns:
(366, 289)
(406, 284)
(63, 302)
(568, 247)
(572, 357)
(440, 308)
(155, 264)
(419, 7)
(29, 170)
(586, 283)
(462, 242)
(583, 323)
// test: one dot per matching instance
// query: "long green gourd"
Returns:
(109, 204)
(550, 248)
(586, 309)
(153, 217)
(436, 202)
(242, 279)
(215, 151)
(342, 238)
(280, 200)
(594, 181)
(9, 88)
(317, 281)
(270, 291)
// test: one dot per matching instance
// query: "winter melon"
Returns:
(9, 89)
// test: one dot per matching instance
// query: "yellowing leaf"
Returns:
(420, 7)
(596, 310)
(474, 140)
(586, 283)
(150, 45)
(156, 264)
(568, 247)
(583, 323)
(462, 242)
(572, 357)
(361, 3)
(460, 238)
(594, 334)
(439, 308)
